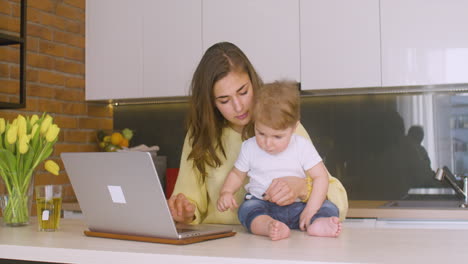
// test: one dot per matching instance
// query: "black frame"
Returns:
(6, 39)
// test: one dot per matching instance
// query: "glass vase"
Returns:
(16, 205)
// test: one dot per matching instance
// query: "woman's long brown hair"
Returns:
(205, 123)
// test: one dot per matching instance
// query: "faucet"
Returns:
(445, 173)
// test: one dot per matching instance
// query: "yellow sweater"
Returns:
(205, 195)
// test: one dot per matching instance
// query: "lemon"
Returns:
(102, 144)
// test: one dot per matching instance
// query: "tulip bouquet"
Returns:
(24, 144)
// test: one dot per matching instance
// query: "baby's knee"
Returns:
(330, 207)
(249, 210)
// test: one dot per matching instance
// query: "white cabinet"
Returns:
(150, 48)
(113, 50)
(424, 42)
(340, 44)
(144, 48)
(266, 30)
(172, 45)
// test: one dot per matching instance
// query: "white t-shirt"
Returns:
(262, 167)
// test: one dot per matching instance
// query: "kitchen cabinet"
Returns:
(141, 49)
(172, 46)
(114, 54)
(340, 44)
(424, 42)
(266, 30)
(146, 49)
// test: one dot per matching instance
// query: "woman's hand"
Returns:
(182, 210)
(283, 191)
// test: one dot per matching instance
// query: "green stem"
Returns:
(20, 168)
(36, 162)
(16, 211)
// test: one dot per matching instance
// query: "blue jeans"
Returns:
(288, 214)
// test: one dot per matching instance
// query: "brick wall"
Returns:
(55, 75)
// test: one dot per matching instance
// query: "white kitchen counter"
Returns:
(360, 242)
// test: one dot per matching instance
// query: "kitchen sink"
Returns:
(447, 204)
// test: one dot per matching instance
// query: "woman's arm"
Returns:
(192, 204)
(286, 190)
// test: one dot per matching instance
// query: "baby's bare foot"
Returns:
(325, 227)
(278, 230)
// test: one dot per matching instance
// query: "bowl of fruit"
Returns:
(114, 140)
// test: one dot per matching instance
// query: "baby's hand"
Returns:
(226, 200)
(306, 216)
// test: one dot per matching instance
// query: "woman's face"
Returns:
(233, 97)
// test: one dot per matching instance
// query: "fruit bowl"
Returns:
(110, 141)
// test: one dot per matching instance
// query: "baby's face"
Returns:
(271, 140)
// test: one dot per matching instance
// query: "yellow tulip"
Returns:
(2, 125)
(23, 143)
(52, 167)
(12, 134)
(34, 129)
(21, 125)
(33, 119)
(45, 124)
(52, 133)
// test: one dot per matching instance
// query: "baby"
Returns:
(274, 152)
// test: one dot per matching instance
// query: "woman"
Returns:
(222, 92)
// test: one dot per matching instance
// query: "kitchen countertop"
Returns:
(375, 209)
(361, 241)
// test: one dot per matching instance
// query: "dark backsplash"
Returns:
(156, 124)
(362, 138)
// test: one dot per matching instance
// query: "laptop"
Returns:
(120, 193)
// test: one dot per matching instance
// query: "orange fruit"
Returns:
(116, 138)
(124, 143)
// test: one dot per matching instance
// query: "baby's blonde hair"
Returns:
(277, 105)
